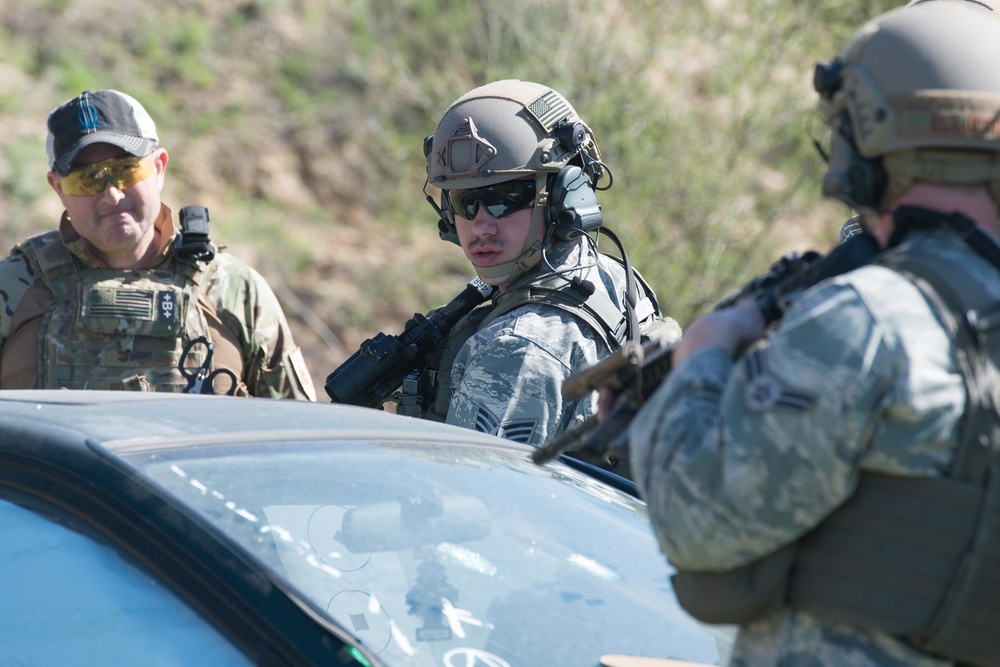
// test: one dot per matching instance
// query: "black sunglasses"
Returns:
(499, 200)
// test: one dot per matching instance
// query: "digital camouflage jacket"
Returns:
(737, 459)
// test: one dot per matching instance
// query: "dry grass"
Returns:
(299, 123)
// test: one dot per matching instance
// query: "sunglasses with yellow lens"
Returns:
(122, 172)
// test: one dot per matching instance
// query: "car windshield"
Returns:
(436, 554)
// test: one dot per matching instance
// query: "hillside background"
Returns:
(300, 125)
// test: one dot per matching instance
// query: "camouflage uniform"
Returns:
(507, 378)
(736, 459)
(509, 148)
(236, 310)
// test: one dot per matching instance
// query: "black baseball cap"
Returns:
(98, 117)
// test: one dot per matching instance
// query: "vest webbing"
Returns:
(74, 356)
(442, 362)
(597, 311)
(47, 253)
(915, 557)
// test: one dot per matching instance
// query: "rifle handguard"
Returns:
(637, 370)
(606, 372)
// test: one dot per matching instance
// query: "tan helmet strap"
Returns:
(532, 250)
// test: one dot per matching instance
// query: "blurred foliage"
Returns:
(300, 124)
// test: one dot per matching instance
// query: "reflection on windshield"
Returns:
(440, 554)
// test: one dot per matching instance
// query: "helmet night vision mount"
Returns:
(509, 130)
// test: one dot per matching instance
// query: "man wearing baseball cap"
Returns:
(117, 297)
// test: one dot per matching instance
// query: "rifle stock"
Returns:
(635, 371)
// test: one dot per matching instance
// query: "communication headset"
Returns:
(572, 206)
(857, 181)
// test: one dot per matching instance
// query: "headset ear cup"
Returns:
(866, 180)
(572, 206)
(858, 181)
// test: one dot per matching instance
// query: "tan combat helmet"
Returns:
(912, 98)
(991, 5)
(509, 130)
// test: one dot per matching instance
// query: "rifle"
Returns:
(371, 374)
(636, 370)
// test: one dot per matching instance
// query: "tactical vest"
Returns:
(115, 329)
(596, 309)
(915, 557)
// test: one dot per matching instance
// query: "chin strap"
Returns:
(532, 251)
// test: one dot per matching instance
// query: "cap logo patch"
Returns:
(88, 116)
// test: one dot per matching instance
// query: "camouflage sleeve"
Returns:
(508, 381)
(737, 459)
(15, 279)
(275, 367)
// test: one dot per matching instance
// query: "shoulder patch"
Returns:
(764, 392)
(520, 430)
(486, 421)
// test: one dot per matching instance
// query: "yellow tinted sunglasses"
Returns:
(123, 172)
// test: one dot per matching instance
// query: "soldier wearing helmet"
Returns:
(518, 173)
(831, 485)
